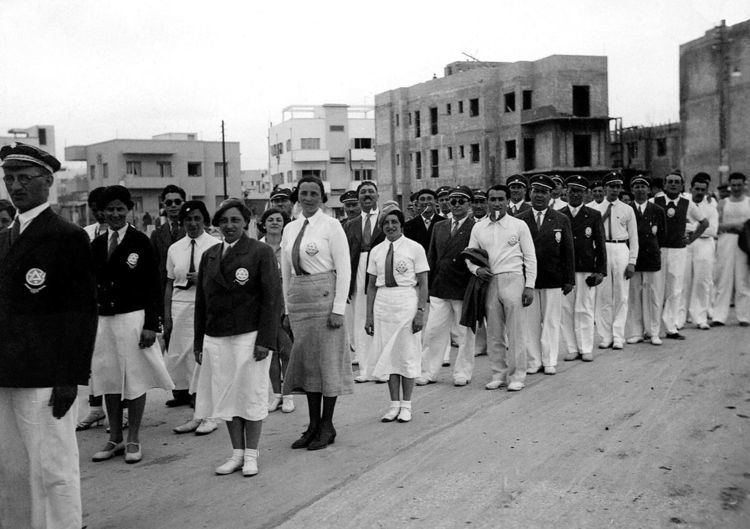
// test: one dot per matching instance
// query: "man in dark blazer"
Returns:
(48, 322)
(644, 308)
(517, 185)
(420, 228)
(553, 242)
(172, 197)
(362, 233)
(448, 280)
(590, 267)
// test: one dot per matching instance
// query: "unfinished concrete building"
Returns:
(483, 122)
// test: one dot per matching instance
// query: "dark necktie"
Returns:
(513, 210)
(390, 281)
(539, 220)
(112, 244)
(295, 250)
(367, 232)
(608, 216)
(455, 228)
(15, 231)
(174, 230)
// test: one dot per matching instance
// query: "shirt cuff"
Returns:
(339, 308)
(530, 284)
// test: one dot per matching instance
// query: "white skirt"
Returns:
(119, 366)
(397, 350)
(231, 382)
(180, 359)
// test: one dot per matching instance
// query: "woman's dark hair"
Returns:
(5, 205)
(113, 193)
(267, 213)
(192, 205)
(314, 180)
(399, 215)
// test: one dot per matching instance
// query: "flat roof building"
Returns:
(483, 122)
(651, 150)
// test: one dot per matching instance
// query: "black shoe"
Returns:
(307, 437)
(744, 324)
(675, 336)
(174, 403)
(325, 437)
(717, 324)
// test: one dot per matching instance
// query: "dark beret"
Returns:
(228, 204)
(112, 193)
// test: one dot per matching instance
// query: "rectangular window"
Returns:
(582, 150)
(632, 147)
(661, 146)
(418, 164)
(410, 119)
(195, 169)
(448, 109)
(510, 149)
(92, 171)
(363, 143)
(219, 169)
(461, 152)
(165, 169)
(450, 153)
(460, 107)
(309, 143)
(336, 128)
(526, 94)
(433, 120)
(362, 174)
(105, 170)
(510, 102)
(133, 168)
(474, 107)
(338, 159)
(474, 153)
(288, 145)
(529, 154)
(581, 107)
(42, 136)
(434, 163)
(417, 125)
(398, 159)
(313, 172)
(398, 121)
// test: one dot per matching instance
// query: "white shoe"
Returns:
(250, 466)
(460, 381)
(655, 340)
(549, 370)
(391, 414)
(287, 404)
(360, 379)
(404, 415)
(494, 384)
(587, 357)
(515, 386)
(422, 381)
(274, 403)
(571, 356)
(188, 427)
(617, 345)
(232, 465)
(206, 427)
(704, 326)
(635, 339)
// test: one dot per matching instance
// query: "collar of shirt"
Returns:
(315, 218)
(575, 210)
(428, 220)
(27, 216)
(460, 222)
(671, 201)
(641, 207)
(373, 211)
(120, 234)
(500, 222)
(517, 204)
(542, 211)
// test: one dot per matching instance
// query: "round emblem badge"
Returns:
(241, 275)
(670, 212)
(132, 260)
(558, 237)
(35, 277)
(401, 267)
(623, 221)
(587, 232)
(512, 240)
(654, 229)
(311, 249)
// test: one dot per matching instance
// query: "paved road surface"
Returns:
(647, 437)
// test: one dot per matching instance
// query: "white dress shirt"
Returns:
(624, 225)
(409, 260)
(25, 218)
(574, 211)
(120, 234)
(509, 245)
(323, 249)
(374, 214)
(709, 212)
(178, 262)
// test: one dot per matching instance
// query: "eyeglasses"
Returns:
(22, 179)
(176, 202)
(458, 201)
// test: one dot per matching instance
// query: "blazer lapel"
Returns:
(28, 239)
(213, 265)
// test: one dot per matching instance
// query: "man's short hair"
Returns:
(737, 176)
(498, 187)
(703, 178)
(94, 195)
(171, 188)
(367, 183)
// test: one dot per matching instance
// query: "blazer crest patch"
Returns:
(401, 266)
(512, 240)
(35, 279)
(558, 236)
(588, 232)
(670, 212)
(654, 229)
(311, 249)
(241, 275)
(133, 260)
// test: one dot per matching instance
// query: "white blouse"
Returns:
(178, 263)
(409, 260)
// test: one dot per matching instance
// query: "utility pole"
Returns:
(721, 48)
(224, 160)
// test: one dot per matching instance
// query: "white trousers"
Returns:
(480, 340)
(505, 314)
(578, 316)
(441, 324)
(669, 281)
(697, 281)
(40, 483)
(543, 318)
(612, 295)
(733, 273)
(644, 306)
(362, 341)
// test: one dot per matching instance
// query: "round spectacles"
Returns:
(22, 179)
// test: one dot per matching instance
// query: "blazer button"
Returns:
(325, 294)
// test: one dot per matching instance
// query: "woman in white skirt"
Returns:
(127, 360)
(237, 307)
(183, 259)
(396, 300)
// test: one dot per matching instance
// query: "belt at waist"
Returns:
(184, 287)
(613, 241)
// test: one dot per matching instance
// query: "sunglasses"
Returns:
(176, 202)
(458, 201)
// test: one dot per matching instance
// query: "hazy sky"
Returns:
(102, 69)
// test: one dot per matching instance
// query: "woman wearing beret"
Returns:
(183, 259)
(396, 300)
(237, 307)
(127, 360)
(316, 272)
(271, 225)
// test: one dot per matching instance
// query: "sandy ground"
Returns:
(646, 437)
